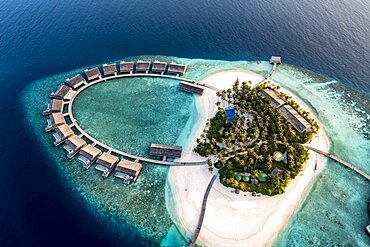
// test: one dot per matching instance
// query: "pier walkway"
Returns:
(346, 164)
(274, 66)
(116, 151)
(202, 212)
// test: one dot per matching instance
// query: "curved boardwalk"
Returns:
(116, 151)
(346, 164)
(202, 212)
(274, 66)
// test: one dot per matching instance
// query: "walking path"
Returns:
(346, 164)
(202, 212)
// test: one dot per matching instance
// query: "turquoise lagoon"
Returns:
(131, 113)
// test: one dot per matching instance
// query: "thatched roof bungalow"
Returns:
(295, 119)
(55, 105)
(73, 144)
(109, 69)
(61, 133)
(106, 163)
(175, 68)
(273, 96)
(88, 155)
(92, 74)
(142, 66)
(126, 67)
(75, 81)
(159, 67)
(63, 93)
(55, 120)
(128, 170)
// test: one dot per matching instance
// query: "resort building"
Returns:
(277, 173)
(295, 119)
(128, 171)
(55, 105)
(142, 66)
(159, 67)
(275, 60)
(272, 96)
(55, 120)
(165, 150)
(191, 88)
(109, 69)
(92, 74)
(63, 93)
(88, 155)
(73, 144)
(75, 81)
(61, 133)
(177, 69)
(106, 163)
(126, 67)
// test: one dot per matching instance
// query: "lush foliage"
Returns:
(244, 147)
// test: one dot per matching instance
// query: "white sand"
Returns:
(233, 219)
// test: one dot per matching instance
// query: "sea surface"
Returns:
(48, 200)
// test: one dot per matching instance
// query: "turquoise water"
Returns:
(129, 114)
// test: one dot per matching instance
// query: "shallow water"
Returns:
(129, 114)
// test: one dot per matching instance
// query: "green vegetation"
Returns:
(243, 149)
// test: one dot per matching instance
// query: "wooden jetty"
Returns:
(275, 61)
(202, 212)
(340, 161)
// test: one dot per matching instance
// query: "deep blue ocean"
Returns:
(43, 38)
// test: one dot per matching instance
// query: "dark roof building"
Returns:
(92, 74)
(106, 163)
(165, 150)
(159, 67)
(295, 119)
(63, 93)
(75, 81)
(55, 105)
(55, 120)
(109, 69)
(126, 67)
(73, 144)
(277, 173)
(88, 155)
(178, 69)
(128, 171)
(61, 133)
(273, 97)
(142, 66)
(191, 88)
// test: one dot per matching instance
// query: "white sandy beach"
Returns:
(233, 219)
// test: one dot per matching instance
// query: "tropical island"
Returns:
(254, 144)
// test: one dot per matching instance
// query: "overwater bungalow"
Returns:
(88, 155)
(106, 163)
(128, 171)
(73, 144)
(55, 105)
(159, 67)
(75, 81)
(165, 150)
(273, 96)
(109, 69)
(55, 120)
(191, 88)
(142, 66)
(275, 60)
(92, 74)
(175, 68)
(63, 93)
(295, 119)
(61, 133)
(126, 67)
